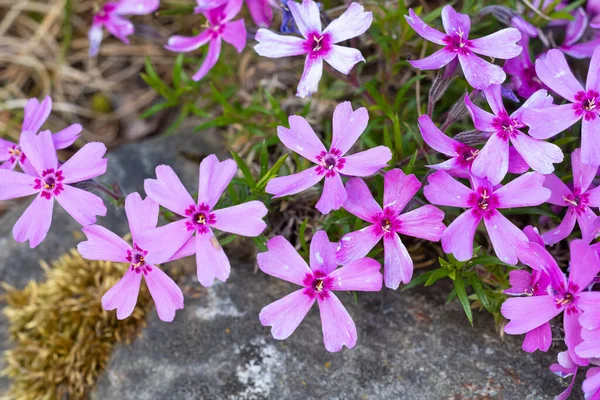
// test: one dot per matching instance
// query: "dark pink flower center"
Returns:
(50, 183)
(587, 105)
(15, 154)
(467, 155)
(330, 162)
(317, 284)
(386, 222)
(578, 201)
(567, 297)
(506, 127)
(136, 258)
(317, 44)
(484, 200)
(458, 42)
(199, 218)
(105, 13)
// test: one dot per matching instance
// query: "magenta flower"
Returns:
(528, 313)
(102, 244)
(317, 44)
(111, 17)
(318, 284)
(483, 202)
(52, 181)
(578, 201)
(35, 116)
(583, 105)
(348, 125)
(492, 161)
(424, 222)
(593, 10)
(177, 240)
(590, 326)
(220, 27)
(260, 10)
(479, 73)
(565, 368)
(574, 32)
(591, 384)
(524, 79)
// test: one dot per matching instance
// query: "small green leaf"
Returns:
(270, 174)
(302, 235)
(459, 286)
(245, 170)
(437, 274)
(417, 280)
(408, 169)
(478, 288)
(264, 158)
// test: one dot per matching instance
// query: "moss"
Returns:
(62, 338)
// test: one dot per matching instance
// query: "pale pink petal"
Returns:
(213, 178)
(501, 44)
(558, 190)
(212, 56)
(368, 162)
(493, 96)
(261, 12)
(184, 44)
(360, 201)
(136, 7)
(436, 139)
(234, 33)
(563, 230)
(583, 267)
(40, 150)
(103, 245)
(590, 347)
(458, 236)
(292, 184)
(590, 319)
(343, 59)
(36, 114)
(244, 219)
(573, 336)
(166, 294)
(322, 253)
(443, 190)
(285, 314)
(437, 60)
(164, 241)
(425, 222)
(123, 295)
(309, 81)
(81, 205)
(482, 120)
(539, 338)
(549, 121)
(95, 39)
(283, 261)
(398, 266)
(424, 30)
(539, 155)
(211, 260)
(527, 313)
(516, 163)
(533, 235)
(455, 23)
(586, 220)
(338, 327)
(492, 161)
(120, 27)
(301, 138)
(594, 197)
(231, 9)
(539, 99)
(590, 142)
(15, 184)
(87, 163)
(35, 222)
(4, 146)
(334, 195)
(188, 249)
(399, 189)
(520, 282)
(67, 136)
(358, 244)
(583, 174)
(593, 78)
(276, 46)
(538, 258)
(306, 16)
(27, 167)
(576, 27)
(505, 237)
(362, 274)
(348, 125)
(352, 23)
(479, 73)
(525, 191)
(553, 70)
(591, 385)
(141, 214)
(168, 191)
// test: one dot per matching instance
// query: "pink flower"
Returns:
(102, 244)
(483, 202)
(348, 125)
(583, 105)
(111, 16)
(565, 368)
(578, 201)
(523, 76)
(318, 284)
(591, 384)
(492, 161)
(260, 10)
(220, 27)
(52, 181)
(177, 240)
(424, 222)
(528, 313)
(318, 44)
(35, 116)
(479, 73)
(574, 32)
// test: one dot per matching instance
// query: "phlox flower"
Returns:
(260, 10)
(53, 181)
(318, 283)
(591, 384)
(574, 31)
(219, 27)
(530, 312)
(111, 16)
(584, 104)
(578, 201)
(521, 69)
(483, 202)
(103, 244)
(387, 223)
(36, 114)
(503, 129)
(316, 43)
(348, 125)
(593, 11)
(564, 368)
(479, 73)
(192, 234)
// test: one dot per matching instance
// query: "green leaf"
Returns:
(408, 169)
(302, 235)
(484, 260)
(264, 158)
(227, 240)
(270, 174)
(478, 288)
(459, 286)
(245, 170)
(437, 274)
(177, 69)
(417, 280)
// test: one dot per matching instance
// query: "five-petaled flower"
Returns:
(483, 202)
(111, 17)
(348, 125)
(53, 181)
(103, 244)
(317, 44)
(479, 73)
(318, 283)
(176, 239)
(524, 79)
(424, 222)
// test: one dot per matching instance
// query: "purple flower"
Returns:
(492, 161)
(177, 240)
(591, 384)
(102, 244)
(565, 368)
(578, 201)
(52, 181)
(318, 44)
(528, 313)
(590, 324)
(220, 27)
(573, 33)
(584, 105)
(318, 284)
(111, 16)
(479, 73)
(35, 116)
(424, 222)
(483, 202)
(522, 71)
(260, 10)
(348, 125)
(593, 10)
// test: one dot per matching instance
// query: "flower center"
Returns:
(588, 104)
(329, 162)
(14, 151)
(50, 183)
(564, 299)
(458, 42)
(136, 258)
(578, 201)
(506, 126)
(386, 225)
(317, 44)
(483, 201)
(470, 155)
(199, 218)
(318, 285)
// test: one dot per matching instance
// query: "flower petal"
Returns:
(285, 314)
(436, 139)
(283, 261)
(479, 73)
(213, 178)
(547, 122)
(141, 214)
(558, 190)
(357, 244)
(443, 190)
(301, 138)
(436, 60)
(67, 136)
(539, 338)
(136, 7)
(583, 267)
(425, 222)
(352, 23)
(338, 327)
(211, 260)
(516, 163)
(234, 33)
(360, 201)
(593, 80)
(368, 162)
(168, 191)
(505, 237)
(455, 23)
(348, 125)
(528, 313)
(539, 99)
(458, 236)
(334, 195)
(539, 155)
(306, 16)
(95, 39)
(103, 245)
(163, 242)
(322, 253)
(15, 184)
(525, 191)
(120, 27)
(590, 143)
(538, 258)
(166, 294)
(583, 174)
(343, 59)
(87, 163)
(492, 161)
(573, 336)
(35, 222)
(591, 384)
(398, 266)
(501, 44)
(261, 12)
(520, 282)
(482, 120)
(563, 230)
(244, 219)
(40, 150)
(309, 82)
(36, 114)
(292, 184)
(424, 30)
(123, 295)
(83, 206)
(184, 44)
(553, 70)
(212, 56)
(362, 275)
(276, 46)
(399, 189)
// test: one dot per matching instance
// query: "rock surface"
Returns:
(411, 345)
